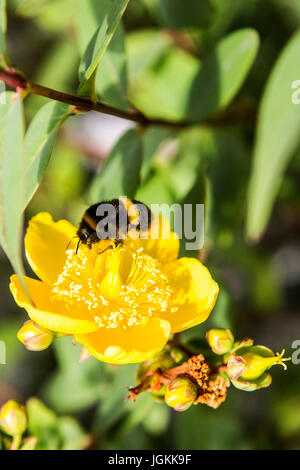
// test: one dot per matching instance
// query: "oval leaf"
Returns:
(112, 12)
(11, 179)
(199, 90)
(111, 78)
(39, 142)
(277, 137)
(222, 74)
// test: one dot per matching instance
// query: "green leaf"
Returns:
(61, 57)
(120, 175)
(74, 437)
(42, 423)
(155, 191)
(112, 12)
(12, 179)
(111, 78)
(156, 86)
(222, 73)
(199, 90)
(75, 386)
(2, 31)
(277, 138)
(180, 14)
(153, 139)
(113, 404)
(145, 49)
(53, 432)
(182, 172)
(39, 141)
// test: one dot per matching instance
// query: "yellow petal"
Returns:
(195, 293)
(120, 346)
(162, 244)
(49, 313)
(45, 245)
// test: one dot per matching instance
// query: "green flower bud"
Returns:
(13, 418)
(34, 337)
(181, 393)
(220, 340)
(249, 363)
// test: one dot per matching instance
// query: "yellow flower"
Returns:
(122, 304)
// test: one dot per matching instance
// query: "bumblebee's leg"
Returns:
(113, 245)
(76, 236)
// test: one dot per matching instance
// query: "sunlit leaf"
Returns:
(175, 85)
(111, 78)
(277, 137)
(12, 179)
(39, 141)
(112, 12)
(222, 73)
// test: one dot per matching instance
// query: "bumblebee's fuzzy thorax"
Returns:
(115, 220)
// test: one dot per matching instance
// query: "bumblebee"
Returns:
(115, 220)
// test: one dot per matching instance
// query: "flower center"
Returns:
(119, 287)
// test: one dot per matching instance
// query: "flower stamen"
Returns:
(120, 287)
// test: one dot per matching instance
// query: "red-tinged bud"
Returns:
(220, 340)
(13, 418)
(181, 393)
(247, 366)
(34, 337)
(236, 366)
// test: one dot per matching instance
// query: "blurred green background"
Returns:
(260, 283)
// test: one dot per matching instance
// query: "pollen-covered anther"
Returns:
(119, 288)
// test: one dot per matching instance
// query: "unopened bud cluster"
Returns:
(246, 363)
(193, 373)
